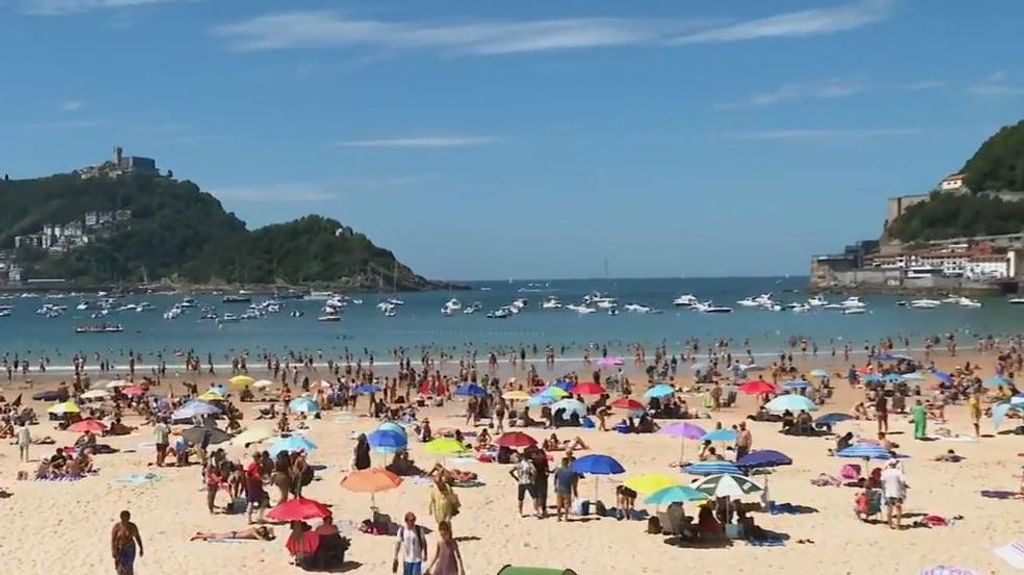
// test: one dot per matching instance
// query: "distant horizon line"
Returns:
(626, 278)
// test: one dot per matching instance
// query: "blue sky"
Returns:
(529, 138)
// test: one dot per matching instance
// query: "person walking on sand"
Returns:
(894, 488)
(744, 441)
(882, 411)
(444, 503)
(24, 441)
(974, 408)
(920, 416)
(447, 558)
(523, 473)
(414, 539)
(565, 478)
(161, 436)
(124, 538)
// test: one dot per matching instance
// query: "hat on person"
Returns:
(893, 462)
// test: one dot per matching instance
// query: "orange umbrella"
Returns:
(92, 425)
(371, 481)
(627, 403)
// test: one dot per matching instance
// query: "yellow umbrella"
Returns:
(62, 408)
(515, 395)
(650, 482)
(211, 396)
(241, 381)
(445, 446)
(253, 435)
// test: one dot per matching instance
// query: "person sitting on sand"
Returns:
(118, 428)
(788, 422)
(860, 412)
(483, 440)
(552, 443)
(949, 456)
(402, 465)
(646, 425)
(258, 533)
(81, 464)
(87, 439)
(886, 443)
(282, 423)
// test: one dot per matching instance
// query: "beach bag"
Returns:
(599, 509)
(306, 477)
(654, 525)
(237, 505)
(453, 500)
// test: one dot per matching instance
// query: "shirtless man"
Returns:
(124, 537)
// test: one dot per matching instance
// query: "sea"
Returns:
(419, 323)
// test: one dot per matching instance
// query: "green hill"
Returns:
(180, 233)
(999, 162)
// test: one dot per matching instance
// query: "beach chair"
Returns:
(874, 503)
(510, 570)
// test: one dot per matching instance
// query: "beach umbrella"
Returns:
(763, 458)
(540, 400)
(304, 405)
(291, 443)
(790, 402)
(612, 361)
(865, 451)
(211, 396)
(241, 381)
(997, 381)
(736, 486)
(96, 394)
(944, 570)
(796, 384)
(134, 391)
(587, 388)
(883, 357)
(628, 404)
(819, 373)
(366, 389)
(253, 435)
(387, 441)
(892, 378)
(943, 377)
(200, 435)
(872, 378)
(392, 426)
(195, 408)
(915, 376)
(675, 494)
(515, 395)
(999, 412)
(92, 425)
(757, 387)
(219, 389)
(570, 406)
(118, 383)
(713, 468)
(563, 384)
(650, 482)
(724, 434)
(597, 465)
(63, 408)
(833, 418)
(684, 431)
(298, 509)
(516, 440)
(660, 390)
(471, 390)
(262, 383)
(554, 391)
(371, 481)
(1017, 399)
(444, 446)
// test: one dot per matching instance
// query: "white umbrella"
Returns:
(262, 383)
(734, 486)
(96, 394)
(118, 383)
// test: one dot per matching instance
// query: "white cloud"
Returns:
(71, 106)
(422, 142)
(823, 90)
(62, 7)
(315, 29)
(820, 134)
(796, 24)
(286, 192)
(997, 85)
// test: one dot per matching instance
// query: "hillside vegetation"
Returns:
(999, 162)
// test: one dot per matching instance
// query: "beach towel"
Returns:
(999, 494)
(826, 480)
(140, 478)
(59, 478)
(789, 509)
(773, 542)
(1012, 554)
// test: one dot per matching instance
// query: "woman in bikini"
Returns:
(258, 533)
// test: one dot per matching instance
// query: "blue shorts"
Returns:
(412, 568)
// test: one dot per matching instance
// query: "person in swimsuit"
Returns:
(124, 538)
(259, 533)
(447, 559)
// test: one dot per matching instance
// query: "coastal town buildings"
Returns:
(120, 165)
(60, 238)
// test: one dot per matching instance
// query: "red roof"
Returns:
(953, 177)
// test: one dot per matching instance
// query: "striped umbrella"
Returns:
(791, 403)
(865, 450)
(675, 494)
(796, 384)
(727, 486)
(713, 468)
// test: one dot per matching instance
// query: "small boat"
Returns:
(473, 308)
(924, 304)
(854, 311)
(82, 305)
(329, 317)
(296, 313)
(101, 328)
(817, 301)
(801, 308)
(1016, 301)
(187, 302)
(685, 300)
(852, 302)
(748, 302)
(320, 295)
(500, 313)
(228, 318)
(968, 303)
(708, 307)
(5, 312)
(237, 299)
(636, 308)
(551, 303)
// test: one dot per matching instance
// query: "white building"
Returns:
(952, 183)
(993, 266)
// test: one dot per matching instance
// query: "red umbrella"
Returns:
(134, 391)
(587, 388)
(627, 403)
(758, 387)
(298, 509)
(516, 439)
(92, 425)
(305, 544)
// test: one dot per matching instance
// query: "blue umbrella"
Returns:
(833, 418)
(675, 494)
(872, 378)
(791, 403)
(195, 408)
(902, 356)
(999, 412)
(713, 468)
(1017, 399)
(720, 435)
(366, 389)
(570, 405)
(387, 441)
(564, 385)
(660, 390)
(892, 378)
(885, 357)
(304, 405)
(865, 450)
(291, 443)
(763, 458)
(598, 465)
(916, 376)
(471, 390)
(996, 381)
(540, 400)
(796, 384)
(943, 377)
(391, 426)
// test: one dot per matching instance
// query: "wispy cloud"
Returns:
(996, 85)
(815, 22)
(62, 7)
(314, 29)
(65, 125)
(820, 134)
(289, 192)
(823, 90)
(422, 142)
(70, 106)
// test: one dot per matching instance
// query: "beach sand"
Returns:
(50, 527)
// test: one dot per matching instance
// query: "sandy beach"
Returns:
(66, 526)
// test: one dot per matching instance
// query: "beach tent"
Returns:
(510, 570)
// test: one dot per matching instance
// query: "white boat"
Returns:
(390, 313)
(817, 301)
(968, 302)
(395, 301)
(748, 302)
(605, 303)
(500, 313)
(5, 313)
(952, 299)
(801, 308)
(228, 318)
(832, 306)
(329, 317)
(709, 307)
(1016, 301)
(82, 305)
(685, 300)
(453, 304)
(520, 304)
(188, 302)
(472, 308)
(636, 308)
(551, 303)
(854, 311)
(320, 295)
(924, 304)
(853, 302)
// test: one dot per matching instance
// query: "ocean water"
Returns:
(419, 322)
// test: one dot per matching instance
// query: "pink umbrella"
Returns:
(587, 388)
(684, 431)
(134, 391)
(612, 361)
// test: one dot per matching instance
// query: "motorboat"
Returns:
(613, 311)
(1016, 301)
(924, 304)
(685, 300)
(329, 317)
(240, 298)
(708, 307)
(520, 304)
(605, 303)
(82, 305)
(101, 328)
(854, 311)
(748, 302)
(208, 314)
(817, 301)
(852, 302)
(395, 301)
(800, 308)
(833, 306)
(551, 303)
(320, 295)
(187, 302)
(472, 308)
(450, 307)
(636, 308)
(229, 318)
(500, 313)
(968, 302)
(951, 298)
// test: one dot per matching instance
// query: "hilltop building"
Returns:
(120, 165)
